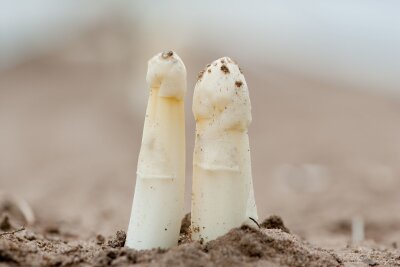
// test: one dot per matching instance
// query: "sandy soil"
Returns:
(271, 245)
(322, 154)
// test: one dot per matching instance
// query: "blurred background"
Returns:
(323, 78)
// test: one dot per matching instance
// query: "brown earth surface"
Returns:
(240, 247)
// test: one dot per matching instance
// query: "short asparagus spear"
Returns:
(223, 196)
(158, 202)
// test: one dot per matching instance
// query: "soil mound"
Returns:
(242, 246)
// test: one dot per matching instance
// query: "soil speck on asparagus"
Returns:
(200, 75)
(238, 83)
(185, 231)
(168, 54)
(225, 69)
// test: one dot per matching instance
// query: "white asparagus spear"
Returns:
(223, 196)
(158, 203)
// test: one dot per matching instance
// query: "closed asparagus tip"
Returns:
(167, 72)
(222, 87)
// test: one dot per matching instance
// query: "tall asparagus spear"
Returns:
(158, 202)
(222, 196)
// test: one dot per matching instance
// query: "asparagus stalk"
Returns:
(158, 202)
(223, 196)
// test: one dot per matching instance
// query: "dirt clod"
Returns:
(247, 245)
(100, 239)
(29, 235)
(5, 224)
(274, 222)
(118, 240)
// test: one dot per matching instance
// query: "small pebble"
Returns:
(100, 239)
